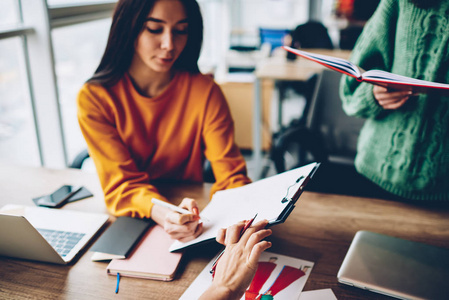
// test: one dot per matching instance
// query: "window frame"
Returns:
(37, 21)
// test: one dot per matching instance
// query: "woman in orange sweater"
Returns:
(148, 114)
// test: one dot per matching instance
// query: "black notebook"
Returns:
(118, 240)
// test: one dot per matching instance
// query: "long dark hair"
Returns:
(127, 22)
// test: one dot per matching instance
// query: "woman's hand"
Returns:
(237, 266)
(184, 227)
(390, 99)
(181, 227)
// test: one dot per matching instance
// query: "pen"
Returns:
(247, 225)
(172, 207)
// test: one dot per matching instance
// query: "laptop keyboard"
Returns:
(62, 241)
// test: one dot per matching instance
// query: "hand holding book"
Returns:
(391, 99)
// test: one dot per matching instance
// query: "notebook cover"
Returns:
(119, 239)
(150, 259)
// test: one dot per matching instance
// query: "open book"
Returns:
(377, 77)
(271, 198)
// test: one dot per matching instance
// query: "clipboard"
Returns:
(272, 198)
(301, 183)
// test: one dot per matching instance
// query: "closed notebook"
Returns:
(150, 259)
(119, 239)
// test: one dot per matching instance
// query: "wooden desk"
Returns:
(279, 68)
(319, 229)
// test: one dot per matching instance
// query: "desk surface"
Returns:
(279, 68)
(320, 229)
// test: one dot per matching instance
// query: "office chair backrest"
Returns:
(312, 34)
(326, 116)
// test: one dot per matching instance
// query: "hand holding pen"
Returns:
(220, 236)
(180, 222)
(238, 264)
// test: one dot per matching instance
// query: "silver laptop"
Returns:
(396, 267)
(45, 234)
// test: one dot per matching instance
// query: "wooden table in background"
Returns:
(320, 229)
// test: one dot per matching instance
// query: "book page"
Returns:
(400, 82)
(263, 197)
(338, 64)
(287, 277)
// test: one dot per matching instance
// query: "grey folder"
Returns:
(396, 267)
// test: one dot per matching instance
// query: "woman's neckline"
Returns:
(160, 94)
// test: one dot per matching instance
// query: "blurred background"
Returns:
(49, 48)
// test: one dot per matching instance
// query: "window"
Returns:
(40, 46)
(9, 13)
(48, 52)
(78, 50)
(18, 142)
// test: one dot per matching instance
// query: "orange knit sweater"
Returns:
(134, 140)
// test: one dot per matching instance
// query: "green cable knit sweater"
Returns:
(404, 151)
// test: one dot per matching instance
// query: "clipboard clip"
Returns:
(285, 199)
(292, 201)
(283, 215)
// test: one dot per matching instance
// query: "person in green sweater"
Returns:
(403, 147)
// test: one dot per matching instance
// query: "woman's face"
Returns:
(163, 38)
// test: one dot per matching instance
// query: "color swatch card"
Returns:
(281, 276)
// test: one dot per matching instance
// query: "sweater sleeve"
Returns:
(127, 191)
(374, 50)
(227, 163)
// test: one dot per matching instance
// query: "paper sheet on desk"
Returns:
(231, 206)
(284, 286)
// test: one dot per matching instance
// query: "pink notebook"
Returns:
(150, 259)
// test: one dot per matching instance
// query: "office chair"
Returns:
(312, 34)
(79, 159)
(83, 155)
(328, 136)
